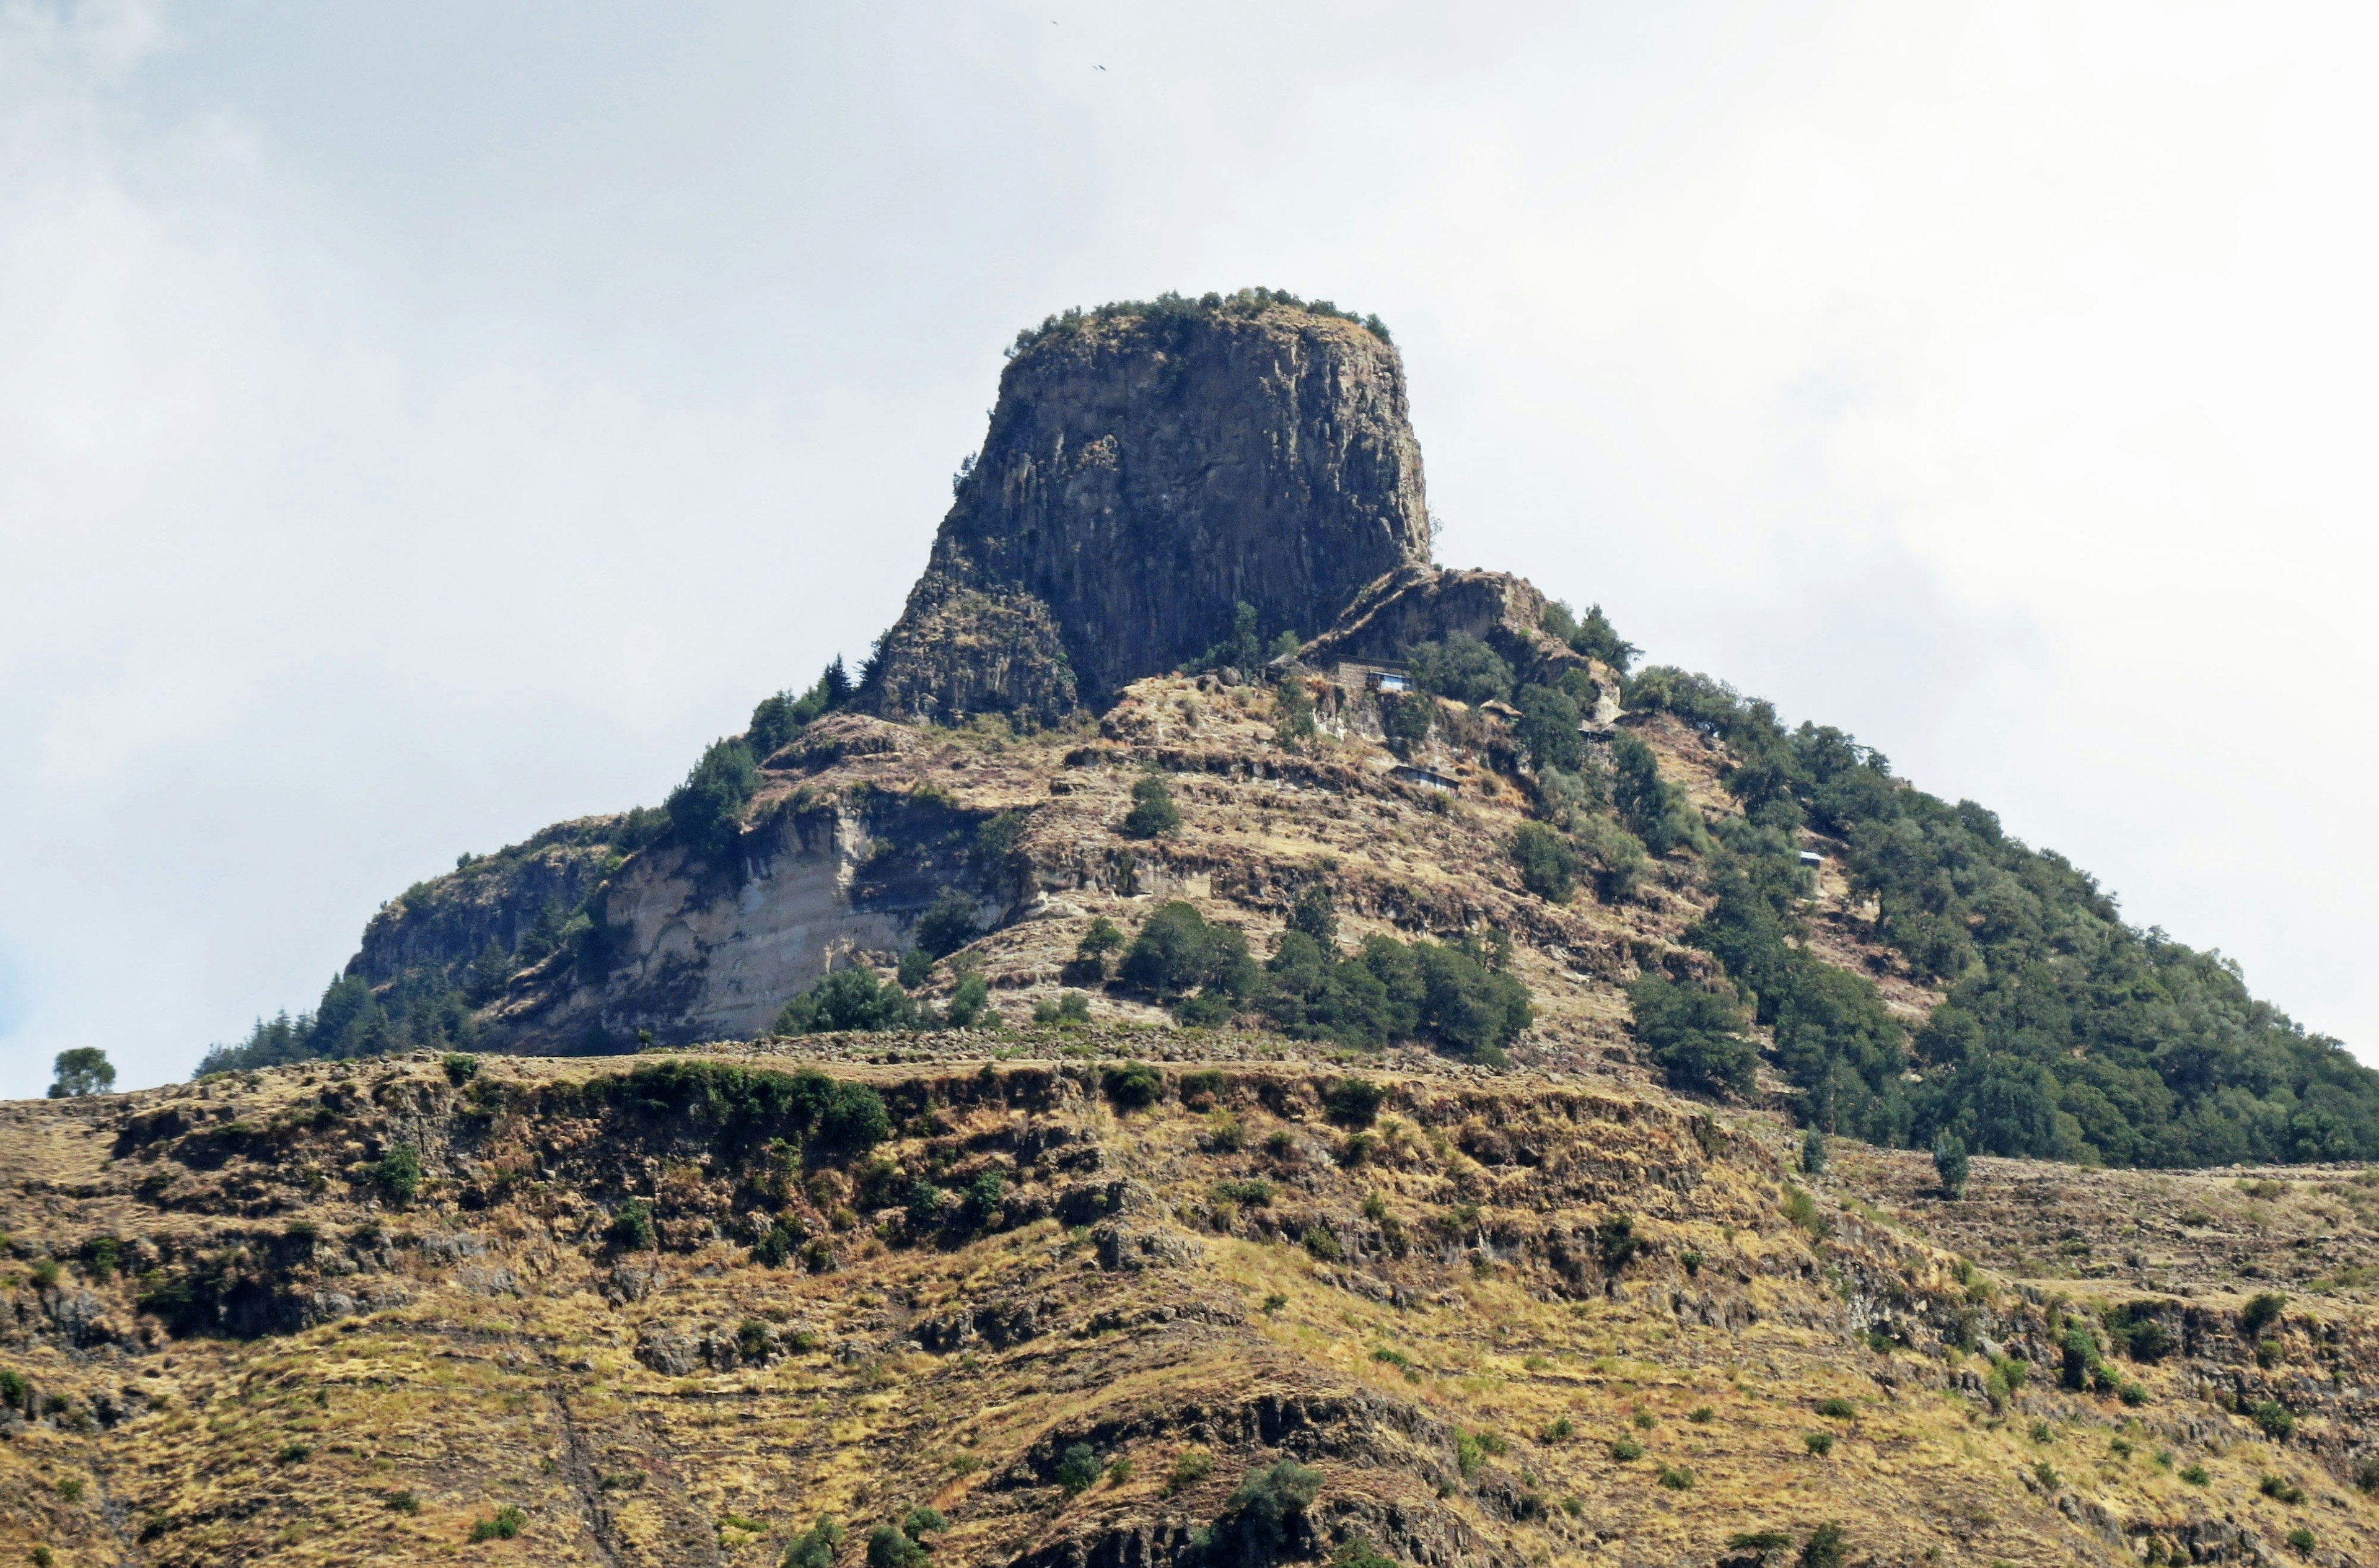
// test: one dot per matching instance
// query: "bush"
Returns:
(970, 999)
(1950, 1163)
(1821, 1444)
(84, 1069)
(1676, 1477)
(2197, 1476)
(2279, 1489)
(814, 1547)
(890, 1547)
(1802, 1209)
(2277, 1421)
(1152, 812)
(460, 1069)
(2261, 1311)
(509, 1522)
(1826, 1548)
(293, 1453)
(1190, 1466)
(1134, 1086)
(1295, 709)
(398, 1173)
(402, 1502)
(1626, 1451)
(705, 812)
(849, 1000)
(1813, 1151)
(1266, 1499)
(1079, 1468)
(1354, 1101)
(1548, 866)
(632, 1227)
(916, 968)
(1098, 944)
(1316, 915)
(2300, 1538)
(949, 923)
(1694, 1035)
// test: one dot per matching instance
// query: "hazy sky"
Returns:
(422, 422)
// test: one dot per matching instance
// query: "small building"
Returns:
(1359, 676)
(1812, 860)
(1424, 777)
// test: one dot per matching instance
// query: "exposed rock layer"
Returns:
(1141, 477)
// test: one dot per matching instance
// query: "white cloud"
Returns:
(403, 444)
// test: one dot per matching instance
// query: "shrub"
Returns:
(1759, 1541)
(1676, 1477)
(1296, 711)
(1694, 1035)
(2275, 1419)
(1560, 1430)
(83, 1069)
(849, 1000)
(1827, 1548)
(1821, 1444)
(2300, 1538)
(632, 1227)
(1950, 1163)
(1354, 1101)
(1461, 668)
(1254, 1192)
(460, 1067)
(402, 1502)
(1548, 866)
(1203, 1088)
(509, 1522)
(2279, 1489)
(293, 1453)
(70, 1488)
(2197, 1474)
(814, 1547)
(969, 1000)
(922, 1521)
(1079, 1468)
(1322, 1242)
(1616, 1243)
(1266, 1501)
(1626, 1451)
(1837, 1409)
(2046, 1474)
(2261, 1311)
(1813, 1151)
(1152, 812)
(1190, 1466)
(1102, 940)
(916, 968)
(949, 923)
(45, 1274)
(1802, 1209)
(890, 1547)
(398, 1173)
(1134, 1086)
(1702, 1415)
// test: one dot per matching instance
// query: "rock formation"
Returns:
(1147, 469)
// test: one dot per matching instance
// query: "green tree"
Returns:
(1295, 712)
(707, 811)
(970, 999)
(1595, 638)
(1548, 730)
(1243, 649)
(815, 1547)
(949, 923)
(1152, 811)
(1950, 1163)
(848, 1000)
(1694, 1034)
(1178, 950)
(1461, 668)
(1813, 1151)
(1548, 866)
(1316, 914)
(80, 1070)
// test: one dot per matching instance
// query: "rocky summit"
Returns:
(1225, 1044)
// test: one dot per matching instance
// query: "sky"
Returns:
(420, 424)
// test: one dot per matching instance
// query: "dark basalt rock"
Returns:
(1143, 475)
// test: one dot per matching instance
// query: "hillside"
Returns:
(1223, 1043)
(677, 1311)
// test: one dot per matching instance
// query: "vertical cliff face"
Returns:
(1144, 471)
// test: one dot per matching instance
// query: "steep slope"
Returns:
(676, 1310)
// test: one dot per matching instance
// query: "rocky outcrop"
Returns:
(1427, 604)
(1146, 470)
(444, 922)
